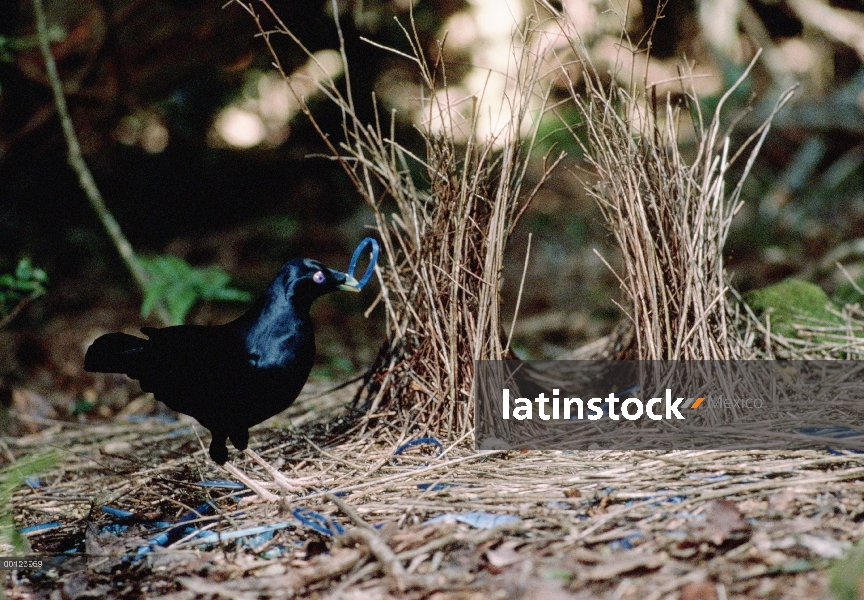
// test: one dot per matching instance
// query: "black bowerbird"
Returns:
(233, 376)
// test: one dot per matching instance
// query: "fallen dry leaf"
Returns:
(116, 448)
(698, 591)
(505, 554)
(723, 521)
(621, 565)
(822, 547)
(31, 404)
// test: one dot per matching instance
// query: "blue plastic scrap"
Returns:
(719, 477)
(435, 487)
(624, 543)
(418, 442)
(181, 528)
(160, 417)
(41, 527)
(480, 520)
(659, 499)
(212, 537)
(274, 552)
(117, 512)
(258, 540)
(114, 529)
(222, 484)
(837, 433)
(629, 391)
(197, 512)
(318, 522)
(161, 539)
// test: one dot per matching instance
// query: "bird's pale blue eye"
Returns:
(319, 277)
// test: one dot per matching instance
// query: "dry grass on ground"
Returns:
(591, 524)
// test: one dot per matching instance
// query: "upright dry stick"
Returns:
(670, 219)
(85, 177)
(443, 246)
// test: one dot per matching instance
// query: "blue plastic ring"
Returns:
(373, 260)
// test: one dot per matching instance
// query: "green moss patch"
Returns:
(793, 303)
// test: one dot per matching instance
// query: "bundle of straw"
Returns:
(443, 245)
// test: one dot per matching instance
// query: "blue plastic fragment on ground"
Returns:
(179, 432)
(222, 484)
(161, 524)
(659, 499)
(686, 514)
(114, 528)
(678, 534)
(629, 391)
(318, 522)
(197, 512)
(258, 540)
(162, 538)
(624, 543)
(161, 418)
(33, 481)
(837, 433)
(719, 477)
(480, 520)
(41, 527)
(435, 487)
(117, 512)
(213, 537)
(418, 442)
(274, 552)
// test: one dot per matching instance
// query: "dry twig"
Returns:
(77, 162)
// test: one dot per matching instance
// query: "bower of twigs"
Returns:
(443, 249)
(690, 525)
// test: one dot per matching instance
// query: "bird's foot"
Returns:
(240, 438)
(218, 450)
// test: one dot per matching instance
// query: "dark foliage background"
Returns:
(153, 86)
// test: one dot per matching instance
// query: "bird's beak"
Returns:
(350, 285)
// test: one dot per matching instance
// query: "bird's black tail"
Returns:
(114, 353)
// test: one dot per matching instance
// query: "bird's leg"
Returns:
(287, 486)
(218, 450)
(240, 438)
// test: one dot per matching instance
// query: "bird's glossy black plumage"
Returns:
(233, 376)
